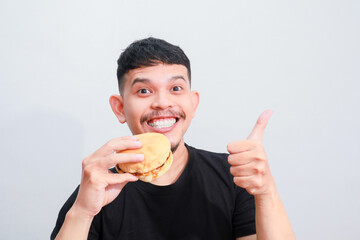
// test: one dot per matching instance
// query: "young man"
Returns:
(204, 195)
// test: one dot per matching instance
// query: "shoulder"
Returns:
(208, 156)
(209, 163)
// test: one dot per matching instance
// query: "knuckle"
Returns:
(252, 191)
(259, 156)
(92, 179)
(260, 169)
(84, 162)
(258, 183)
(87, 170)
(110, 144)
(89, 162)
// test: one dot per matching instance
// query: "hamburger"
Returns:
(157, 157)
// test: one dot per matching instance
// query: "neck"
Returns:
(180, 159)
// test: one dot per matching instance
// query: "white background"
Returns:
(299, 58)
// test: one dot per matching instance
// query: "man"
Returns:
(204, 195)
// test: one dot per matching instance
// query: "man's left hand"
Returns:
(249, 164)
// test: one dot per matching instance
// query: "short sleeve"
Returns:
(61, 216)
(244, 214)
(93, 232)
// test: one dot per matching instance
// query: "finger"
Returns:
(244, 170)
(112, 178)
(243, 182)
(258, 130)
(252, 184)
(119, 144)
(116, 158)
(114, 188)
(241, 146)
(238, 159)
(243, 158)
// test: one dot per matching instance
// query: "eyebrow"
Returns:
(140, 80)
(146, 80)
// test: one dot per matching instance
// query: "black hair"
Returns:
(149, 52)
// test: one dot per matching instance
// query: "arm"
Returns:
(271, 218)
(98, 186)
(75, 226)
(251, 171)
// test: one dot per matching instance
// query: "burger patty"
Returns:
(153, 172)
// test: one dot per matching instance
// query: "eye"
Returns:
(143, 91)
(176, 89)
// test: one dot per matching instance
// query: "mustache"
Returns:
(178, 114)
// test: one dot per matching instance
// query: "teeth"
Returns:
(165, 123)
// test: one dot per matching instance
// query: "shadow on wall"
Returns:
(40, 167)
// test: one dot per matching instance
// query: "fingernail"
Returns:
(137, 143)
(140, 156)
(268, 113)
(134, 178)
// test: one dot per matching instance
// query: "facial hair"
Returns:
(153, 114)
(174, 148)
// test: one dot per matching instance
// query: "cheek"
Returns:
(133, 110)
(188, 108)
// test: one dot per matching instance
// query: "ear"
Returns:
(195, 101)
(117, 106)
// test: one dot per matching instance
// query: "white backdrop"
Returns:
(299, 58)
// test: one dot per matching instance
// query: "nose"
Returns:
(161, 101)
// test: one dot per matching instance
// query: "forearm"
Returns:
(271, 219)
(75, 226)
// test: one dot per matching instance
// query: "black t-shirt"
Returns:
(204, 203)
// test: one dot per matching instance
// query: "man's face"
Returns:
(158, 99)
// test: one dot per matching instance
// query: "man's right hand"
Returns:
(98, 185)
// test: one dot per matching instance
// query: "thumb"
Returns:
(258, 130)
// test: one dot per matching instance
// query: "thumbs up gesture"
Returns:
(248, 161)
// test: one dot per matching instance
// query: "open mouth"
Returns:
(162, 123)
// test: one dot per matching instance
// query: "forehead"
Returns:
(157, 73)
